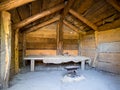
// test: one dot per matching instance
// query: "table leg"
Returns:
(83, 65)
(32, 65)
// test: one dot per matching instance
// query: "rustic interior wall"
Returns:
(109, 50)
(88, 46)
(43, 41)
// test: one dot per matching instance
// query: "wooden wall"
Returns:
(105, 47)
(43, 41)
(88, 46)
(109, 50)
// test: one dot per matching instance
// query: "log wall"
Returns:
(109, 50)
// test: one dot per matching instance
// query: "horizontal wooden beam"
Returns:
(38, 16)
(84, 20)
(115, 4)
(73, 27)
(43, 24)
(10, 4)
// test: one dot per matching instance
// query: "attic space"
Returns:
(59, 44)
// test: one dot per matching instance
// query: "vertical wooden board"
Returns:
(5, 47)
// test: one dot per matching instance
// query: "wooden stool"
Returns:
(71, 70)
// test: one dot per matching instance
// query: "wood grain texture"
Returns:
(5, 47)
(84, 20)
(10, 4)
(38, 16)
(16, 51)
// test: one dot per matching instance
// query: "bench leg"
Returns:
(32, 65)
(83, 65)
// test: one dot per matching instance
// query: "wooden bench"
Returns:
(58, 60)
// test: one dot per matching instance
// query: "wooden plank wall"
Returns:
(43, 41)
(109, 50)
(88, 46)
(48, 46)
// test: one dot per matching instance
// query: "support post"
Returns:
(24, 48)
(16, 51)
(60, 38)
(5, 29)
(79, 44)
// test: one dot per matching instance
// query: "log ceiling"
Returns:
(80, 15)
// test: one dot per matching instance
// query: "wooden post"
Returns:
(59, 38)
(24, 48)
(97, 52)
(16, 51)
(5, 29)
(79, 44)
(60, 27)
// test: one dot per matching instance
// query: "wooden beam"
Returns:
(38, 16)
(115, 4)
(16, 51)
(84, 20)
(5, 29)
(42, 24)
(73, 27)
(66, 9)
(59, 37)
(10, 4)
(60, 27)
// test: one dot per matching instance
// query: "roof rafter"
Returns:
(38, 16)
(83, 19)
(114, 3)
(42, 24)
(73, 27)
(10, 4)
